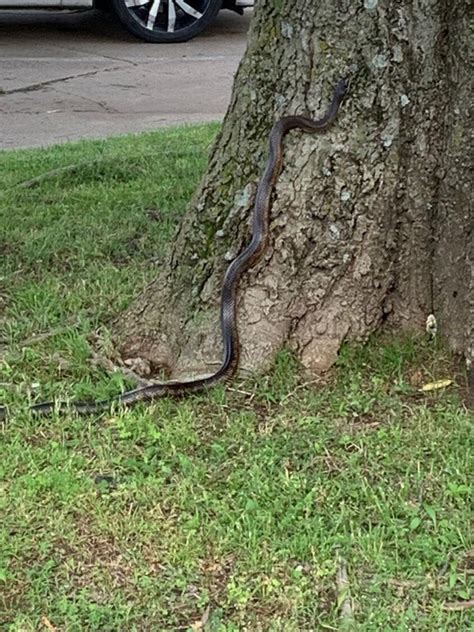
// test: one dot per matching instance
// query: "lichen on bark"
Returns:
(359, 230)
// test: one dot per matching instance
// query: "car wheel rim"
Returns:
(167, 16)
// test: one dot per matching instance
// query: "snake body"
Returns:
(245, 260)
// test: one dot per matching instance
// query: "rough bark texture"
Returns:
(453, 264)
(371, 223)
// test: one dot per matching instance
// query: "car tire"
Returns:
(166, 21)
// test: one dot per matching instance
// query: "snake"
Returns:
(248, 258)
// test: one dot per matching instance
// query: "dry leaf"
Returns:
(434, 386)
(47, 624)
(201, 624)
(416, 379)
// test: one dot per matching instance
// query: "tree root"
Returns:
(111, 367)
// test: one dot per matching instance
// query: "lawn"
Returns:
(241, 509)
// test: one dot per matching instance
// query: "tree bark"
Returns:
(371, 224)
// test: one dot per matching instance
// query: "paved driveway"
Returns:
(65, 76)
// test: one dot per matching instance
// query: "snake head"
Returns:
(342, 87)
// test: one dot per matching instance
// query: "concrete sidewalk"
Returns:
(67, 76)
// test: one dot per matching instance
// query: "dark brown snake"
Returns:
(246, 259)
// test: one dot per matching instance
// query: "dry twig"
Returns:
(298, 388)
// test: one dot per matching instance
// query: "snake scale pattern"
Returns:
(245, 260)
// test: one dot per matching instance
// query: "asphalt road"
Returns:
(66, 76)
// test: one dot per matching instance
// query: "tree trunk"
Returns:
(370, 222)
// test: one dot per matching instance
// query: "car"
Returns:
(158, 21)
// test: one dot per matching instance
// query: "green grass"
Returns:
(237, 505)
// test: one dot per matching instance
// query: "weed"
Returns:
(238, 501)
